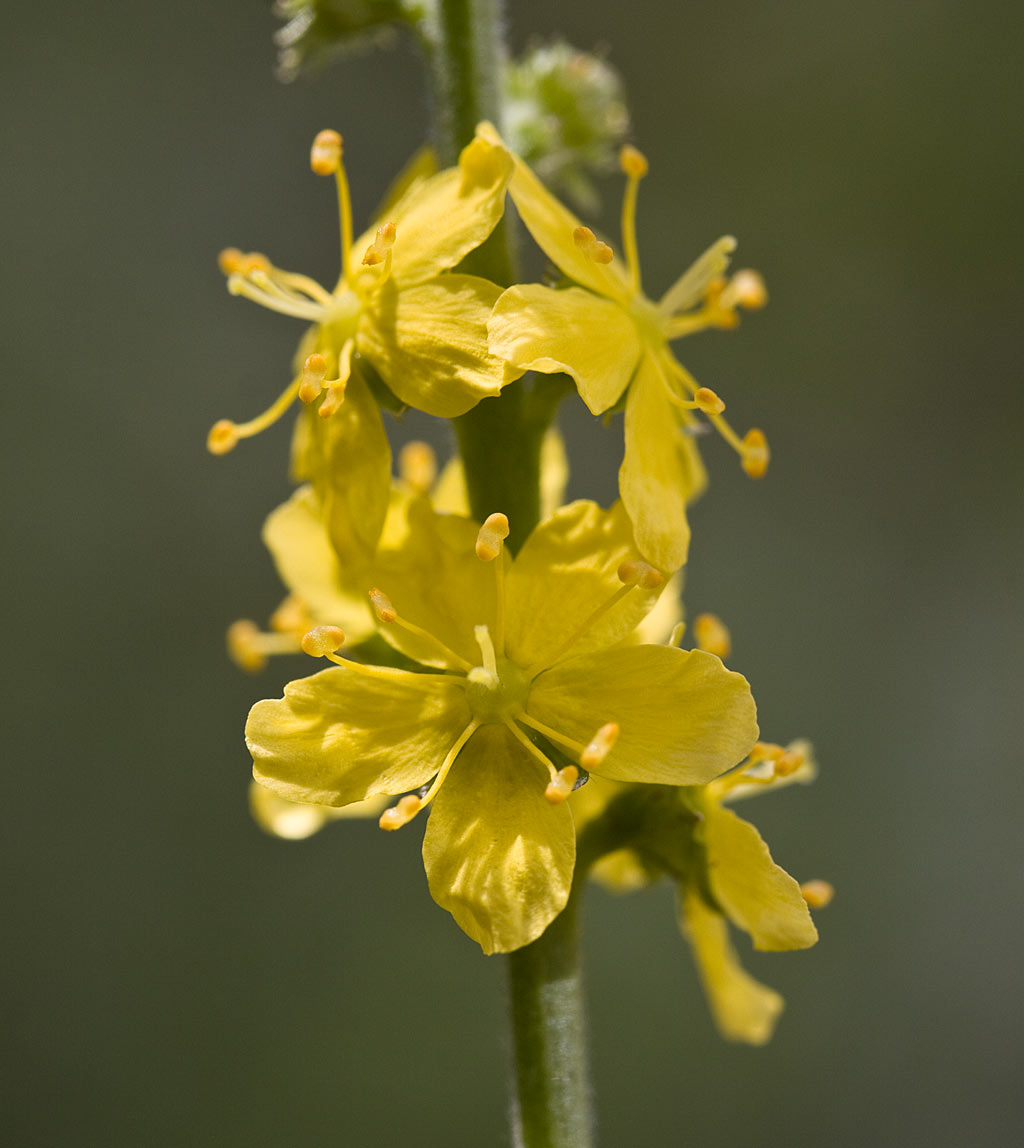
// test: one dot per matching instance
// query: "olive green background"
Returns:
(173, 977)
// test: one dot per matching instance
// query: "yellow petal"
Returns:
(552, 226)
(683, 717)
(429, 343)
(565, 571)
(592, 339)
(297, 820)
(296, 536)
(499, 857)
(755, 893)
(441, 219)
(668, 613)
(339, 737)
(620, 871)
(743, 1008)
(554, 472)
(436, 582)
(661, 469)
(450, 495)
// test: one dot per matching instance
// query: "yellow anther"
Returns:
(591, 246)
(600, 746)
(788, 762)
(633, 162)
(291, 617)
(223, 437)
(765, 751)
(640, 574)
(745, 289)
(322, 640)
(712, 635)
(708, 402)
(382, 243)
(332, 400)
(417, 466)
(492, 534)
(234, 262)
(382, 606)
(817, 893)
(562, 784)
(325, 154)
(243, 638)
(402, 813)
(314, 371)
(754, 459)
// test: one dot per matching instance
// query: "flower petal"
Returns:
(429, 343)
(442, 218)
(339, 736)
(297, 820)
(661, 469)
(590, 338)
(743, 1008)
(565, 571)
(683, 717)
(499, 857)
(755, 893)
(435, 580)
(296, 536)
(552, 226)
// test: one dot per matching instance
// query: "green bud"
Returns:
(318, 30)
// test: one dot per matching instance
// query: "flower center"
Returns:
(496, 690)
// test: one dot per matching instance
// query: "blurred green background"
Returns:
(174, 977)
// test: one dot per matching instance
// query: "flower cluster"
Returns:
(528, 703)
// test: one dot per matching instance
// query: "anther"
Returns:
(402, 813)
(788, 762)
(382, 243)
(633, 162)
(492, 534)
(754, 459)
(712, 635)
(417, 466)
(325, 154)
(314, 371)
(745, 289)
(708, 402)
(817, 893)
(600, 746)
(640, 574)
(243, 638)
(223, 437)
(382, 606)
(562, 784)
(322, 640)
(234, 262)
(591, 246)
(291, 617)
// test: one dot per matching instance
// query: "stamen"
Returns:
(488, 672)
(336, 387)
(632, 574)
(573, 746)
(600, 746)
(691, 287)
(591, 246)
(562, 784)
(325, 159)
(224, 435)
(678, 630)
(234, 262)
(712, 635)
(407, 808)
(249, 647)
(817, 893)
(745, 289)
(634, 164)
(322, 640)
(291, 617)
(640, 574)
(388, 615)
(489, 544)
(274, 300)
(325, 154)
(755, 453)
(417, 466)
(314, 371)
(491, 537)
(381, 246)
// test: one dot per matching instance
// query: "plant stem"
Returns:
(550, 1090)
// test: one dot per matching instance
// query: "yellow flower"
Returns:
(397, 303)
(608, 336)
(529, 685)
(724, 873)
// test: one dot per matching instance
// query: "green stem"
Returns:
(550, 1090)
